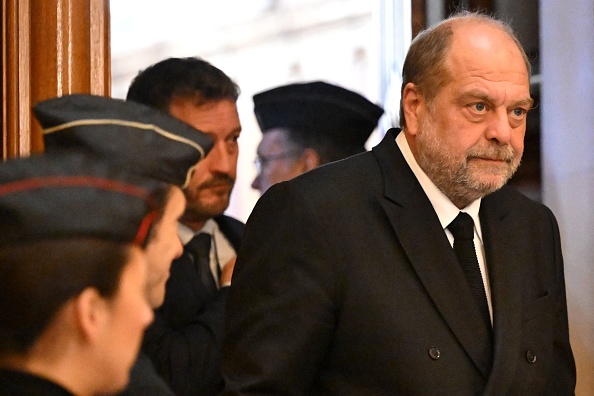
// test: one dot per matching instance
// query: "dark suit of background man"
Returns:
(348, 281)
(305, 125)
(184, 342)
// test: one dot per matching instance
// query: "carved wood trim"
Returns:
(49, 48)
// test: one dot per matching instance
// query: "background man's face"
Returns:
(210, 187)
(279, 160)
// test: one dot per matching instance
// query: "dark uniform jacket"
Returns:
(185, 339)
(18, 383)
(346, 284)
(144, 380)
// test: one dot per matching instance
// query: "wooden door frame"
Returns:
(49, 48)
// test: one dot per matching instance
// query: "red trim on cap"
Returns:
(145, 226)
(73, 181)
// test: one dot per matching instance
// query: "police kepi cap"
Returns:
(143, 139)
(53, 196)
(318, 108)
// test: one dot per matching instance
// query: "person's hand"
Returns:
(227, 272)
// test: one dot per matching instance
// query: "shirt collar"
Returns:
(444, 208)
(186, 233)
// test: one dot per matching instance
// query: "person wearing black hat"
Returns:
(72, 274)
(185, 339)
(139, 139)
(149, 143)
(305, 125)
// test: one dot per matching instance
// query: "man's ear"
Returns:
(412, 101)
(310, 159)
(91, 313)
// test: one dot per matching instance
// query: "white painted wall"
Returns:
(567, 65)
(259, 44)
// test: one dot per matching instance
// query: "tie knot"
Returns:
(199, 246)
(462, 227)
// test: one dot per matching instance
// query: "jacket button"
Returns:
(530, 356)
(434, 353)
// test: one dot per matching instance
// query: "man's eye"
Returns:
(480, 107)
(519, 112)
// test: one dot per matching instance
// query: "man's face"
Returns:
(163, 247)
(212, 181)
(278, 160)
(470, 139)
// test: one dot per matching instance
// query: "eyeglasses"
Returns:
(262, 161)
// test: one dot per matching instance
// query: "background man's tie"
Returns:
(199, 249)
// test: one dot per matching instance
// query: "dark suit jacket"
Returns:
(184, 341)
(144, 380)
(346, 284)
(19, 383)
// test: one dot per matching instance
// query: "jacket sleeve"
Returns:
(280, 314)
(186, 354)
(185, 339)
(563, 372)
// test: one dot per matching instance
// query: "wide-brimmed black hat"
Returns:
(53, 196)
(138, 137)
(318, 108)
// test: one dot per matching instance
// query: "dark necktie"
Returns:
(462, 228)
(199, 249)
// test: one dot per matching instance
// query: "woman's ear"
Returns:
(412, 101)
(310, 159)
(91, 312)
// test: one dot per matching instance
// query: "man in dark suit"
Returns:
(185, 339)
(353, 279)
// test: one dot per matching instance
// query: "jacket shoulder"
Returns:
(231, 228)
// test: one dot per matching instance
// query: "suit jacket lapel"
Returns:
(505, 257)
(419, 231)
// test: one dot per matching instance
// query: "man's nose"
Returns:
(220, 159)
(499, 127)
(257, 184)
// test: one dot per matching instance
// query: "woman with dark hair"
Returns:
(73, 303)
(144, 141)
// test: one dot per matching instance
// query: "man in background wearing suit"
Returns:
(185, 339)
(411, 269)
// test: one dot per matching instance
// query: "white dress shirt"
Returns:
(221, 250)
(447, 211)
